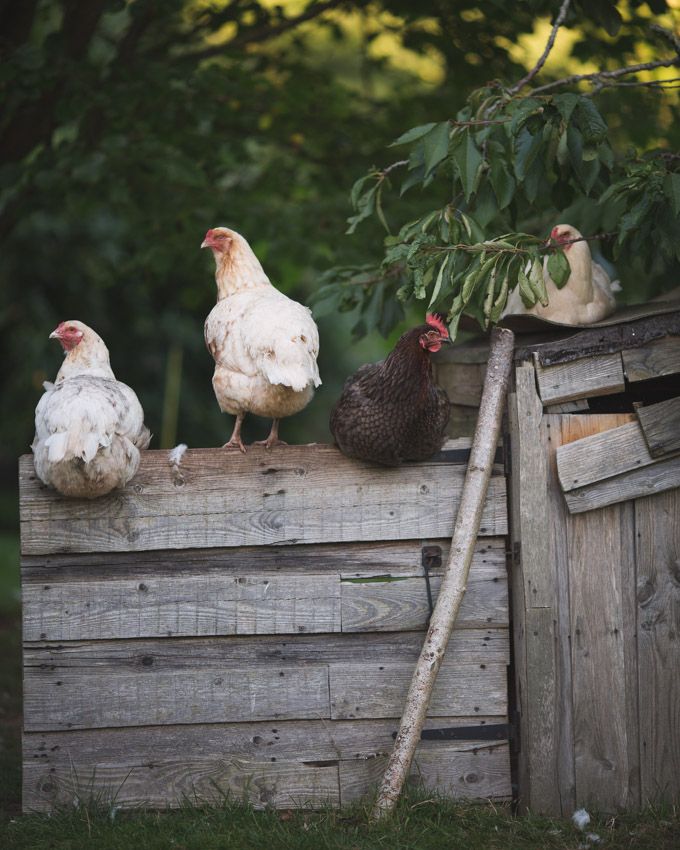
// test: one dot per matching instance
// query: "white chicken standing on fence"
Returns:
(586, 297)
(89, 427)
(264, 344)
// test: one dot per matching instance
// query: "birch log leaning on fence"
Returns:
(453, 584)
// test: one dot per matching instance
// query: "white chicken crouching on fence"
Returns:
(89, 427)
(586, 297)
(264, 344)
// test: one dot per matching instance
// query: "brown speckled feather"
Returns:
(392, 411)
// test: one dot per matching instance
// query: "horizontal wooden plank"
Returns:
(599, 375)
(657, 358)
(271, 603)
(376, 605)
(207, 695)
(281, 765)
(604, 455)
(664, 475)
(294, 494)
(373, 689)
(398, 557)
(116, 656)
(452, 770)
(660, 425)
(222, 692)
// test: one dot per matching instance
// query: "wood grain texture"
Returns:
(660, 357)
(114, 656)
(615, 445)
(217, 692)
(462, 771)
(156, 603)
(660, 425)
(657, 550)
(293, 494)
(373, 689)
(645, 481)
(279, 764)
(399, 557)
(599, 375)
(604, 696)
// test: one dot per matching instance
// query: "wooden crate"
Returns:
(595, 535)
(247, 626)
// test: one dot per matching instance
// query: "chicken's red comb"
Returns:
(437, 322)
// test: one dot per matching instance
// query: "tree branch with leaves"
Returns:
(509, 156)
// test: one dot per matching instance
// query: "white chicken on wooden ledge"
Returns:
(586, 297)
(263, 343)
(89, 427)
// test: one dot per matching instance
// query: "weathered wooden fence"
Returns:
(595, 540)
(247, 626)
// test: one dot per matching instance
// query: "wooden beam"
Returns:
(655, 478)
(599, 375)
(287, 495)
(660, 424)
(657, 358)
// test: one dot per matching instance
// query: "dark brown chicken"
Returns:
(392, 411)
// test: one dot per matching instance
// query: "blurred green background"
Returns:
(129, 127)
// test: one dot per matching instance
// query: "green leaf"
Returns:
(500, 301)
(413, 134)
(469, 160)
(371, 314)
(527, 148)
(671, 187)
(562, 149)
(365, 206)
(436, 146)
(566, 103)
(559, 268)
(438, 281)
(590, 122)
(526, 291)
(470, 282)
(502, 182)
(537, 282)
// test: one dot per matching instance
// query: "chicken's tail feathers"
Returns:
(64, 445)
(615, 286)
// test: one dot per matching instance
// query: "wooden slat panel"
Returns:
(617, 446)
(660, 357)
(399, 557)
(403, 604)
(601, 374)
(168, 765)
(372, 689)
(219, 694)
(189, 605)
(601, 571)
(136, 656)
(657, 549)
(195, 603)
(660, 476)
(294, 494)
(457, 770)
(661, 426)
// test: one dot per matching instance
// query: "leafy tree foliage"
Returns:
(515, 160)
(129, 128)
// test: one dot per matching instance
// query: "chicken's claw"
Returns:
(235, 444)
(270, 443)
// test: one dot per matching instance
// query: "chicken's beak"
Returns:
(205, 243)
(55, 334)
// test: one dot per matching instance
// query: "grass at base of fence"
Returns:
(419, 823)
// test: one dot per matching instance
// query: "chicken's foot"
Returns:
(273, 438)
(235, 441)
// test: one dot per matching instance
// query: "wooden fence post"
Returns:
(454, 582)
